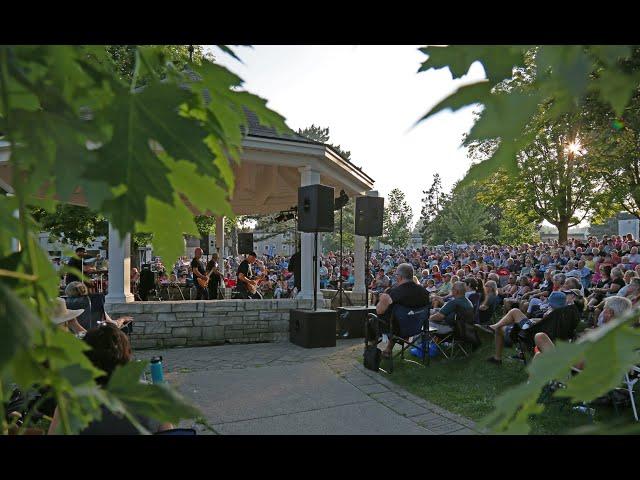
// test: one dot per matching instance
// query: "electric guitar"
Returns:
(252, 285)
(204, 282)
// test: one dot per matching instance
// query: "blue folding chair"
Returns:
(408, 327)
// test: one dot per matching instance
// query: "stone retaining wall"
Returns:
(209, 322)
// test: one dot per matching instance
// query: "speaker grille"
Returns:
(369, 214)
(245, 243)
(315, 208)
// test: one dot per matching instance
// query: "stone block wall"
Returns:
(209, 322)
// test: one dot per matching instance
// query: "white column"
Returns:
(220, 241)
(119, 268)
(308, 177)
(358, 258)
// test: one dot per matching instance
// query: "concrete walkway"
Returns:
(280, 388)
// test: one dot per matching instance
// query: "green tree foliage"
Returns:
(460, 218)
(522, 79)
(464, 216)
(615, 141)
(396, 224)
(72, 224)
(321, 135)
(432, 203)
(206, 225)
(124, 57)
(73, 120)
(315, 133)
(512, 220)
(557, 180)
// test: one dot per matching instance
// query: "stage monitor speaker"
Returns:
(313, 328)
(351, 321)
(315, 208)
(369, 212)
(245, 243)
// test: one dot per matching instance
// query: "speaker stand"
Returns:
(366, 273)
(315, 271)
(340, 292)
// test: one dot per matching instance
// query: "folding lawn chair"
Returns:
(459, 338)
(560, 324)
(630, 380)
(412, 330)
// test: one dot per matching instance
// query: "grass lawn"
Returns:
(468, 386)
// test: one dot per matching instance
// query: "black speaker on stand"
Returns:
(315, 328)
(369, 214)
(245, 243)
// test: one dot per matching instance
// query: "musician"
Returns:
(246, 283)
(78, 264)
(198, 271)
(215, 277)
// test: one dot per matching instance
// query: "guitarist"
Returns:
(215, 277)
(198, 270)
(245, 277)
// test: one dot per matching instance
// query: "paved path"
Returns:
(280, 388)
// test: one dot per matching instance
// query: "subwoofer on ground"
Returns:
(351, 321)
(313, 328)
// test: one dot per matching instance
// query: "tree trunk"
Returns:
(234, 241)
(563, 231)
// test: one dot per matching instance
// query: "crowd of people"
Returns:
(592, 280)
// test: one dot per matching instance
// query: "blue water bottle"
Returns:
(156, 370)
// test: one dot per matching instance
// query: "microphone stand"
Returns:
(315, 271)
(340, 292)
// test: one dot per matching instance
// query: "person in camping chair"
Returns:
(404, 292)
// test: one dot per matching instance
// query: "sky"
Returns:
(370, 97)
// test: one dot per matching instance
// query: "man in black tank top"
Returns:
(406, 293)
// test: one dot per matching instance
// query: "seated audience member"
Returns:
(281, 288)
(610, 283)
(459, 308)
(629, 275)
(431, 285)
(67, 319)
(556, 300)
(110, 348)
(539, 301)
(613, 307)
(510, 289)
(523, 287)
(445, 288)
(488, 305)
(379, 285)
(406, 293)
(78, 296)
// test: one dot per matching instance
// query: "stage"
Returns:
(209, 322)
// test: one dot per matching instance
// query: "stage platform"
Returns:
(209, 322)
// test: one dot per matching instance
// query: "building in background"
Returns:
(57, 249)
(548, 233)
(621, 224)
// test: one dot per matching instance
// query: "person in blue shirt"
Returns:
(585, 274)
